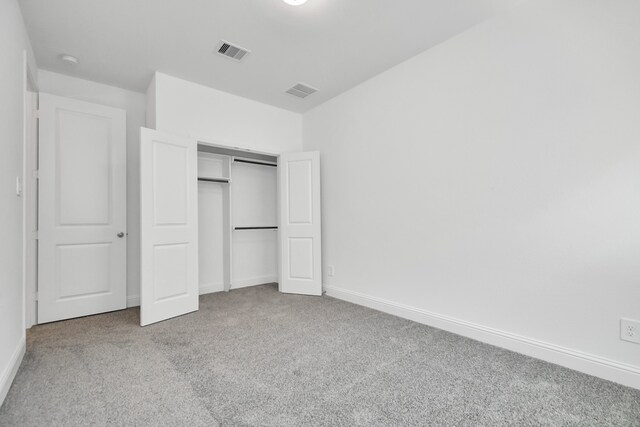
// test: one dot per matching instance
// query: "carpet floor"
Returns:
(255, 357)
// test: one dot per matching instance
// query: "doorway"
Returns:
(76, 156)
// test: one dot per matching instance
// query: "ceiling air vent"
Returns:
(232, 51)
(301, 90)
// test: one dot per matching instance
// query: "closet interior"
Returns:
(237, 218)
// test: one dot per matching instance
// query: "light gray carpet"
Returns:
(257, 357)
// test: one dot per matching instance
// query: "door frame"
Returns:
(30, 194)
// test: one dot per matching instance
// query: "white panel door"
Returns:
(82, 209)
(169, 226)
(300, 244)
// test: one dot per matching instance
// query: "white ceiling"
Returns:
(330, 44)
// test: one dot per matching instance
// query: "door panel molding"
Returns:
(300, 223)
(169, 226)
(81, 209)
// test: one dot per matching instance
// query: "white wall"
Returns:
(135, 105)
(491, 184)
(151, 104)
(13, 44)
(189, 109)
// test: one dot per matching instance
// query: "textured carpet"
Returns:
(257, 357)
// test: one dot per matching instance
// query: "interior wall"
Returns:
(151, 104)
(188, 109)
(493, 180)
(14, 42)
(135, 105)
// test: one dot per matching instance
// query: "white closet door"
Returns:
(169, 226)
(300, 245)
(82, 219)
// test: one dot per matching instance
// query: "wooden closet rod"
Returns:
(255, 162)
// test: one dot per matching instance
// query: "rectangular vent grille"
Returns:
(301, 90)
(232, 51)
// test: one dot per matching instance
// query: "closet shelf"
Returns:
(223, 180)
(256, 228)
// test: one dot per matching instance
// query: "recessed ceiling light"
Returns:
(69, 59)
(294, 2)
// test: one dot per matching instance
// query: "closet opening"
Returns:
(237, 218)
(216, 218)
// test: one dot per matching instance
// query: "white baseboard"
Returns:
(611, 370)
(133, 301)
(253, 281)
(211, 288)
(10, 371)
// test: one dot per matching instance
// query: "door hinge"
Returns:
(35, 296)
(36, 174)
(35, 114)
(35, 234)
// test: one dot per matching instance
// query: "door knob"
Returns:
(120, 234)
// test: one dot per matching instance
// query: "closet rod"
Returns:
(222, 180)
(254, 162)
(255, 228)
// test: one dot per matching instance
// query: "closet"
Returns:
(237, 219)
(215, 218)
